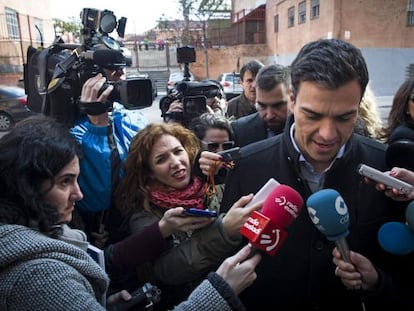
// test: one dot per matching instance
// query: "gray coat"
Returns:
(41, 273)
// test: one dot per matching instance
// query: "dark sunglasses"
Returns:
(213, 147)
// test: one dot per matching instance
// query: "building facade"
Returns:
(382, 29)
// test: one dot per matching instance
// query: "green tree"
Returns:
(62, 27)
(203, 10)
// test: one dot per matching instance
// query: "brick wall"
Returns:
(226, 59)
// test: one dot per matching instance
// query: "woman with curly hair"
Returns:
(158, 176)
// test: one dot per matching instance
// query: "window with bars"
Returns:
(302, 12)
(314, 12)
(12, 24)
(276, 23)
(410, 13)
(291, 16)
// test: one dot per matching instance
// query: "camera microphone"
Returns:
(105, 58)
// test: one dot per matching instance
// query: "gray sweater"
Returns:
(41, 273)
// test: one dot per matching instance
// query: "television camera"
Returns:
(54, 76)
(192, 94)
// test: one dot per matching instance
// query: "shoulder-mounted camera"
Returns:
(55, 75)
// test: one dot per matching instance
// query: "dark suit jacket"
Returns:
(301, 274)
(248, 129)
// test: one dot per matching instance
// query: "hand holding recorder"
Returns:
(385, 179)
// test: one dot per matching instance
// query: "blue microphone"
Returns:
(329, 213)
(396, 238)
(409, 215)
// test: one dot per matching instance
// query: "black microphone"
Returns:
(400, 153)
(106, 58)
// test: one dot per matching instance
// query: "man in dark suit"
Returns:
(272, 84)
(319, 150)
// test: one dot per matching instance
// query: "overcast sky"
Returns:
(139, 19)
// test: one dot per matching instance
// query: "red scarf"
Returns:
(191, 196)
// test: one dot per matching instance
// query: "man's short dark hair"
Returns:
(330, 63)
(270, 76)
(253, 66)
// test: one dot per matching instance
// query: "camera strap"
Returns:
(94, 108)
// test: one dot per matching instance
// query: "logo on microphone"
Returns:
(262, 233)
(288, 206)
(273, 239)
(340, 206)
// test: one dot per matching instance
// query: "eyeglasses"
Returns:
(412, 97)
(213, 147)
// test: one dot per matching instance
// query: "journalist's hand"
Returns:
(238, 271)
(404, 175)
(174, 220)
(207, 162)
(117, 298)
(238, 215)
(359, 274)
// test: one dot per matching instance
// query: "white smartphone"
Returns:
(264, 191)
(384, 178)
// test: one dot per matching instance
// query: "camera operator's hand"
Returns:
(89, 94)
(217, 105)
(175, 106)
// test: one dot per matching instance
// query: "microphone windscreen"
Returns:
(109, 58)
(396, 238)
(409, 215)
(329, 213)
(400, 153)
(282, 205)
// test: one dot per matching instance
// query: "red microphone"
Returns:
(265, 230)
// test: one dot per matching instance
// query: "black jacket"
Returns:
(301, 274)
(248, 129)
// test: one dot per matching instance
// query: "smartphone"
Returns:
(384, 178)
(230, 154)
(200, 212)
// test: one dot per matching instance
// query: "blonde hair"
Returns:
(368, 112)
